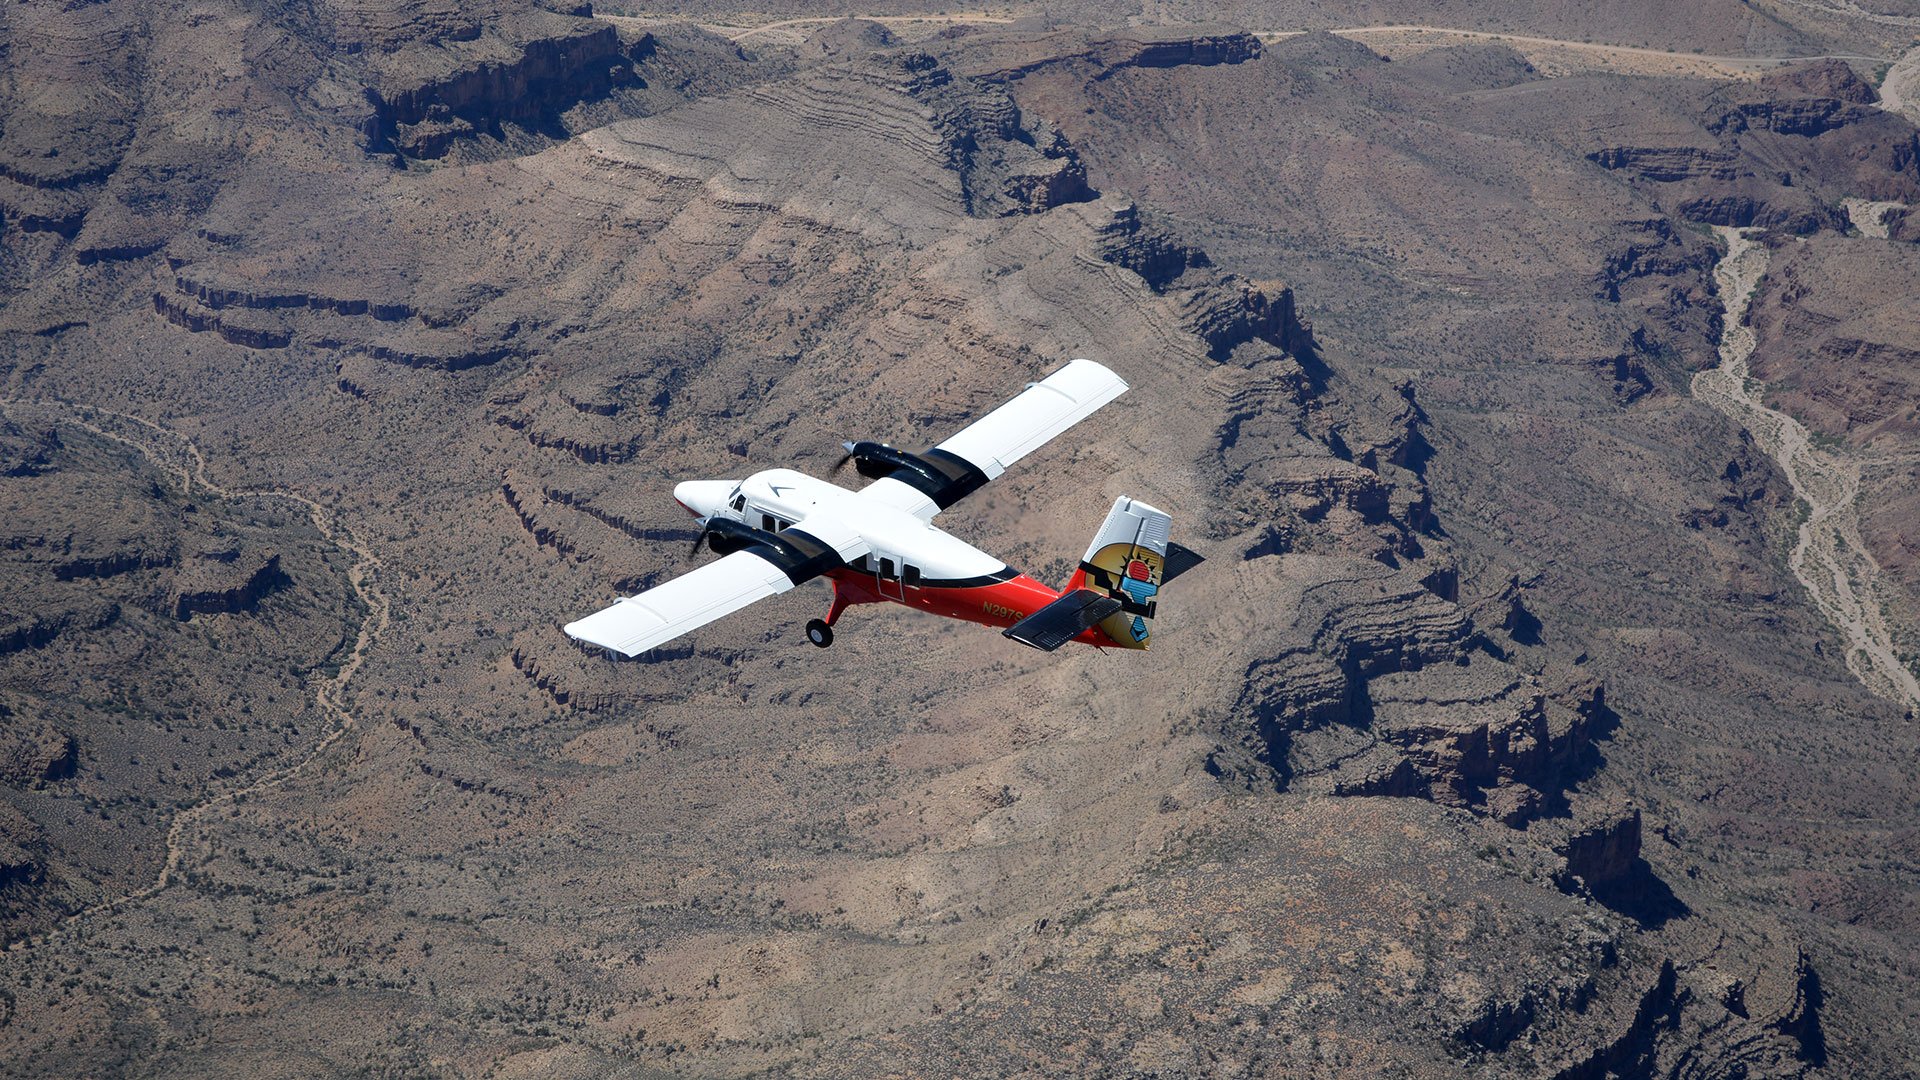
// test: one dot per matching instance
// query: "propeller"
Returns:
(724, 536)
(872, 460)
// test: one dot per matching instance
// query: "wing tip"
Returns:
(572, 631)
(1103, 369)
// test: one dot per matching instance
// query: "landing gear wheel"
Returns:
(820, 633)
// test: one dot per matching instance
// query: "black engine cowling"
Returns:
(943, 477)
(726, 536)
(800, 554)
(876, 460)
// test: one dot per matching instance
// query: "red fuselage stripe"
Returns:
(1001, 603)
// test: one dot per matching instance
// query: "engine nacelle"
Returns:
(800, 554)
(726, 536)
(876, 460)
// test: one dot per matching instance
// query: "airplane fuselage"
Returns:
(912, 562)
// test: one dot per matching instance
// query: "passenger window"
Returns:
(766, 522)
(911, 574)
(886, 568)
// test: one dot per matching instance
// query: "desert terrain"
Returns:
(1539, 388)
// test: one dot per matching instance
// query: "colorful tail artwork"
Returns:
(1127, 561)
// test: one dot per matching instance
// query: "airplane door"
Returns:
(887, 573)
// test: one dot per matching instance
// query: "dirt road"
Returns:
(1900, 90)
(1616, 57)
(1639, 55)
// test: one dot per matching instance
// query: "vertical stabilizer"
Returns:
(1127, 561)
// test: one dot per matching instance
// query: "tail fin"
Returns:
(1127, 561)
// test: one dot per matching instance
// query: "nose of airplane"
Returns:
(702, 498)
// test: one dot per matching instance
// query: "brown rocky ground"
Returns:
(1491, 738)
(154, 648)
(1839, 348)
(1337, 176)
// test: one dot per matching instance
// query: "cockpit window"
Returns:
(739, 502)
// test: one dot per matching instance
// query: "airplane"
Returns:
(779, 528)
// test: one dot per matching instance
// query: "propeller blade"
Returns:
(701, 539)
(840, 465)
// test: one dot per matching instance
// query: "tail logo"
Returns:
(1130, 574)
(1140, 586)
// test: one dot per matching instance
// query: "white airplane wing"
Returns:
(720, 588)
(1034, 416)
(985, 448)
(901, 497)
(692, 600)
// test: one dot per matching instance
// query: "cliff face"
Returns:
(1902, 224)
(1390, 690)
(1779, 153)
(36, 754)
(1606, 851)
(225, 583)
(1000, 57)
(1222, 309)
(550, 71)
(557, 67)
(528, 79)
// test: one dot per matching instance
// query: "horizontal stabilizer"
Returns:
(1180, 559)
(1063, 620)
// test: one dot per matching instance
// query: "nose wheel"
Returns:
(820, 633)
